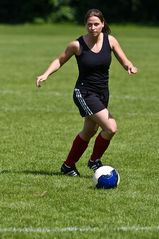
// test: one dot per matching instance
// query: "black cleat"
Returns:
(69, 171)
(94, 165)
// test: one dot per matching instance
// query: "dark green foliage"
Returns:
(21, 11)
(121, 10)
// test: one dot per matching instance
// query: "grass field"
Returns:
(37, 127)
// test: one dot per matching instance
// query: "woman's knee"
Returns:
(113, 129)
(110, 130)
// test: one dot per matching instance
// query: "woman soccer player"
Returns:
(91, 93)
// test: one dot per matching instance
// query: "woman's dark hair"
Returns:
(99, 14)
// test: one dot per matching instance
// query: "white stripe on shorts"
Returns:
(82, 102)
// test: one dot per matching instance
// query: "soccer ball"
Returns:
(106, 177)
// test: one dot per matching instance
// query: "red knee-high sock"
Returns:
(100, 146)
(78, 147)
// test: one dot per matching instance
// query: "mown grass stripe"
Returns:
(45, 230)
(139, 228)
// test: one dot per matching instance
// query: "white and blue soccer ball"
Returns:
(106, 177)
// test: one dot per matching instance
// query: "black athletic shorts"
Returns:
(89, 102)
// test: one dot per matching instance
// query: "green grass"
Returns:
(37, 128)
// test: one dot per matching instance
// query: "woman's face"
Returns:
(94, 25)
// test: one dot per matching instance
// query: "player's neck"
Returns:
(93, 39)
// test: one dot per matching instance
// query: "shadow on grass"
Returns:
(37, 173)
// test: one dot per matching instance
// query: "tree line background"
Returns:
(20, 11)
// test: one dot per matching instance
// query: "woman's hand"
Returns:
(131, 69)
(40, 79)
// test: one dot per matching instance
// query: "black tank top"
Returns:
(94, 67)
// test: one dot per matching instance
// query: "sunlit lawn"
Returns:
(37, 128)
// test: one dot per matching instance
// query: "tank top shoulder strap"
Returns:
(82, 43)
(106, 40)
